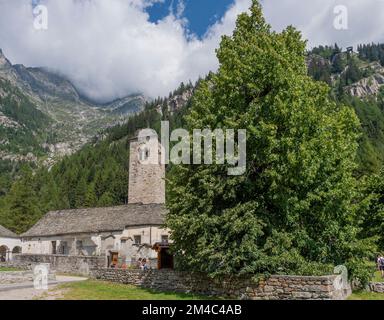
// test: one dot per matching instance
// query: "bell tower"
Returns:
(146, 169)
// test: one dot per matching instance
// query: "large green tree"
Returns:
(372, 208)
(291, 212)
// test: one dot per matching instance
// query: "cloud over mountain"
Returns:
(111, 48)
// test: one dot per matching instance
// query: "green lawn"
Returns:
(100, 290)
(377, 277)
(364, 295)
(5, 269)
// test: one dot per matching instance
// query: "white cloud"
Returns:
(315, 19)
(110, 48)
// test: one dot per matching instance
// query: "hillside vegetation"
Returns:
(97, 175)
(312, 195)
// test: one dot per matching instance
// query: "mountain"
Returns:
(371, 85)
(129, 105)
(357, 80)
(70, 120)
(22, 125)
(94, 176)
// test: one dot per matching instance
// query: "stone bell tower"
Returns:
(146, 169)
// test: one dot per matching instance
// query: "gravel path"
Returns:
(26, 291)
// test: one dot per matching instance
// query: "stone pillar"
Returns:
(73, 251)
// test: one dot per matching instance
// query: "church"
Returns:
(122, 234)
(9, 244)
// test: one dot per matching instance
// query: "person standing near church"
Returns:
(380, 264)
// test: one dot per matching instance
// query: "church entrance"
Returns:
(113, 259)
(164, 257)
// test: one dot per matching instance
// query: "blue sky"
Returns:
(200, 14)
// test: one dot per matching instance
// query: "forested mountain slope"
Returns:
(357, 79)
(97, 175)
(74, 119)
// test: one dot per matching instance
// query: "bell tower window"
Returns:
(144, 154)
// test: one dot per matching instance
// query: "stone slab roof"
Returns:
(95, 220)
(5, 233)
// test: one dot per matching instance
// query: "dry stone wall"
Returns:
(60, 263)
(11, 277)
(377, 287)
(272, 288)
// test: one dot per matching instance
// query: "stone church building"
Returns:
(122, 234)
(9, 244)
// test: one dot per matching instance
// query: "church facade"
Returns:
(122, 234)
(9, 244)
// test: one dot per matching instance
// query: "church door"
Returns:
(165, 259)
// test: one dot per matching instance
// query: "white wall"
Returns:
(103, 243)
(44, 245)
(10, 243)
(149, 236)
(36, 246)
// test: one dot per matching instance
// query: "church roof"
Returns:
(95, 220)
(5, 233)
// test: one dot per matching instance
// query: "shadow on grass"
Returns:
(101, 290)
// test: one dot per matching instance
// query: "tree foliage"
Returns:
(291, 212)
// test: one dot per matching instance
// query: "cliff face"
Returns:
(346, 71)
(4, 63)
(370, 85)
(176, 101)
(367, 86)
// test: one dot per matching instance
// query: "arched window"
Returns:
(16, 250)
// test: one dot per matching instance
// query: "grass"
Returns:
(8, 269)
(377, 277)
(101, 290)
(365, 295)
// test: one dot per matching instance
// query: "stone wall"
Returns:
(60, 263)
(10, 277)
(272, 288)
(376, 287)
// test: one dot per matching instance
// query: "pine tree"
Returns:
(81, 191)
(106, 200)
(23, 206)
(90, 197)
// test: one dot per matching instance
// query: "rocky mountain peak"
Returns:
(4, 62)
(368, 86)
